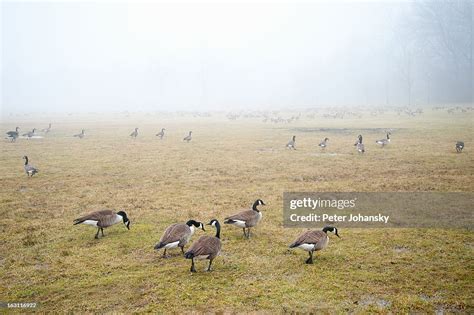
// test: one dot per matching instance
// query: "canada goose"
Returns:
(323, 144)
(459, 146)
(178, 235)
(206, 247)
(384, 142)
(312, 241)
(29, 169)
(291, 144)
(359, 145)
(46, 130)
(161, 134)
(134, 134)
(188, 137)
(247, 218)
(103, 219)
(30, 134)
(81, 135)
(13, 134)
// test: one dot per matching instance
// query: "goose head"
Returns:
(195, 224)
(125, 219)
(331, 229)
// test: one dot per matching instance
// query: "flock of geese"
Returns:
(179, 234)
(207, 247)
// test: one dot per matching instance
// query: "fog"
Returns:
(104, 56)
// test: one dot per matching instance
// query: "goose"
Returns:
(459, 146)
(359, 145)
(161, 134)
(134, 134)
(13, 134)
(312, 241)
(81, 135)
(291, 144)
(188, 137)
(46, 130)
(103, 219)
(247, 218)
(30, 133)
(29, 169)
(384, 142)
(323, 144)
(178, 235)
(206, 247)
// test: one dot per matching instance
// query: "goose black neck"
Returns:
(26, 160)
(254, 207)
(218, 229)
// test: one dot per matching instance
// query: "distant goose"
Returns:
(103, 219)
(206, 247)
(134, 134)
(161, 134)
(46, 130)
(29, 169)
(384, 142)
(359, 145)
(459, 146)
(178, 235)
(30, 134)
(188, 137)
(247, 218)
(291, 144)
(323, 144)
(81, 135)
(13, 134)
(312, 241)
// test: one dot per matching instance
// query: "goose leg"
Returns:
(164, 253)
(210, 263)
(193, 269)
(97, 234)
(182, 249)
(310, 259)
(245, 234)
(248, 233)
(102, 230)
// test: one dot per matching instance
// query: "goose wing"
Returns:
(246, 215)
(205, 246)
(309, 237)
(96, 216)
(174, 233)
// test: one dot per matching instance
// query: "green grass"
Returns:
(227, 165)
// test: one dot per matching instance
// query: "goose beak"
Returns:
(202, 227)
(338, 235)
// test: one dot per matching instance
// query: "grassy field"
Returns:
(227, 165)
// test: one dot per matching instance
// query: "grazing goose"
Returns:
(30, 134)
(323, 144)
(134, 134)
(247, 218)
(459, 146)
(384, 142)
(29, 169)
(13, 134)
(103, 219)
(188, 137)
(46, 130)
(312, 241)
(178, 235)
(81, 135)
(291, 144)
(161, 134)
(359, 145)
(206, 247)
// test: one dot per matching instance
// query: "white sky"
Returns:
(71, 56)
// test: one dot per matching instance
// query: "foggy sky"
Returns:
(92, 56)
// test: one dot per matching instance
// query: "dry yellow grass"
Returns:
(227, 165)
